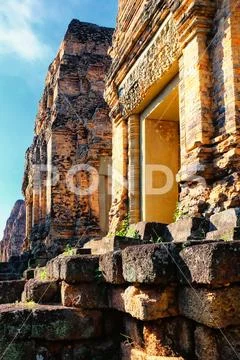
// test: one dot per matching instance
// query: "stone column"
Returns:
(231, 65)
(118, 210)
(43, 195)
(49, 176)
(62, 199)
(36, 207)
(225, 54)
(43, 182)
(194, 22)
(134, 168)
(119, 207)
(28, 219)
(105, 196)
(195, 93)
(36, 184)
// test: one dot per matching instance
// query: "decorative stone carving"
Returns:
(157, 58)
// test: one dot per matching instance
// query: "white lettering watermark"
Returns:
(84, 179)
(91, 174)
(169, 182)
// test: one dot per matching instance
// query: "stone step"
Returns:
(15, 268)
(213, 264)
(85, 295)
(83, 251)
(42, 292)
(38, 262)
(147, 231)
(226, 234)
(6, 267)
(77, 251)
(28, 274)
(215, 308)
(111, 243)
(41, 273)
(9, 276)
(74, 269)
(227, 219)
(51, 323)
(11, 291)
(187, 229)
(110, 265)
(170, 336)
(71, 350)
(129, 352)
(151, 263)
(225, 225)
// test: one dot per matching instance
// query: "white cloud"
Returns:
(17, 33)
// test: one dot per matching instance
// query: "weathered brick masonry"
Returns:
(72, 129)
(175, 61)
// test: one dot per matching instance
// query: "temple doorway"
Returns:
(160, 156)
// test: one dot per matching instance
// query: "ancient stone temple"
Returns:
(71, 149)
(173, 91)
(14, 233)
(169, 290)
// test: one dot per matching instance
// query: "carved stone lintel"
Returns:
(154, 62)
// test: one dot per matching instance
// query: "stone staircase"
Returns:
(59, 314)
(158, 301)
(13, 269)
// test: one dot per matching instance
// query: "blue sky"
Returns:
(30, 34)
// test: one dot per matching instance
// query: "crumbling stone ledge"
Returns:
(151, 302)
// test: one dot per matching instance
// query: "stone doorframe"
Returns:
(135, 175)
